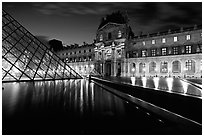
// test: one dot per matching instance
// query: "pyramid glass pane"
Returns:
(24, 57)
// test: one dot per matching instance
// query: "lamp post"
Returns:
(144, 71)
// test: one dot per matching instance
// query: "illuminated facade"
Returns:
(80, 58)
(174, 53)
(112, 37)
(24, 57)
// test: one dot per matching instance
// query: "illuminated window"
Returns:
(189, 64)
(144, 53)
(163, 40)
(163, 51)
(175, 50)
(119, 34)
(153, 41)
(164, 67)
(143, 43)
(188, 37)
(153, 52)
(175, 39)
(101, 38)
(141, 67)
(188, 49)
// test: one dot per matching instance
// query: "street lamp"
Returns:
(144, 71)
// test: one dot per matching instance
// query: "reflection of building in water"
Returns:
(171, 53)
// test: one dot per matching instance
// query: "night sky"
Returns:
(78, 22)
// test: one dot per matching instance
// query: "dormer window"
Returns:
(188, 37)
(101, 38)
(175, 39)
(153, 41)
(119, 34)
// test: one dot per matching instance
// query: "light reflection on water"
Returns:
(166, 84)
(78, 96)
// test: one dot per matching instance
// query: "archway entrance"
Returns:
(108, 68)
(118, 69)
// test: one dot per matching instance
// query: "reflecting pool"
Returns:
(71, 107)
(169, 84)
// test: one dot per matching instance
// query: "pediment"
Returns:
(110, 25)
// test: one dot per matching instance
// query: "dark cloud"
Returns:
(76, 21)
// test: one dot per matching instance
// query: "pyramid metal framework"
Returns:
(24, 57)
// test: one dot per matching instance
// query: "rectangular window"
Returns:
(175, 39)
(153, 52)
(188, 49)
(80, 51)
(144, 52)
(189, 65)
(89, 50)
(143, 43)
(163, 40)
(175, 50)
(163, 51)
(119, 34)
(109, 35)
(84, 51)
(188, 37)
(101, 38)
(153, 41)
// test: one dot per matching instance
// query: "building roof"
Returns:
(115, 17)
(180, 30)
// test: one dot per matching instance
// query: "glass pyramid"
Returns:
(24, 57)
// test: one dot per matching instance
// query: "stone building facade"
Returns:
(117, 52)
(80, 58)
(176, 53)
(110, 48)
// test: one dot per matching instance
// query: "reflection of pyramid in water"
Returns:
(24, 57)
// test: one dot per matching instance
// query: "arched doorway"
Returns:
(118, 70)
(108, 68)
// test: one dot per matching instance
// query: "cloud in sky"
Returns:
(78, 21)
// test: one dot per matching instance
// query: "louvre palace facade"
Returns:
(117, 52)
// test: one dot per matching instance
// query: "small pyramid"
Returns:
(24, 57)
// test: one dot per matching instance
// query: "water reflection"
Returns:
(169, 84)
(144, 81)
(156, 82)
(76, 96)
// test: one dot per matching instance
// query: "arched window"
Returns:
(152, 67)
(141, 67)
(176, 67)
(190, 66)
(164, 67)
(133, 68)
